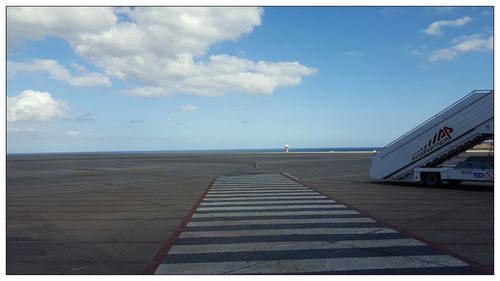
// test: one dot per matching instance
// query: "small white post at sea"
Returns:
(286, 147)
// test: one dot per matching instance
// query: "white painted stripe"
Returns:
(260, 193)
(279, 221)
(248, 192)
(269, 194)
(249, 177)
(258, 187)
(278, 246)
(222, 208)
(270, 202)
(265, 198)
(305, 231)
(235, 190)
(253, 178)
(261, 185)
(256, 180)
(259, 182)
(309, 265)
(279, 178)
(272, 181)
(267, 214)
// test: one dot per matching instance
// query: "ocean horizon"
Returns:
(202, 151)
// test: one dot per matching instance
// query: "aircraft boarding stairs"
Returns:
(452, 131)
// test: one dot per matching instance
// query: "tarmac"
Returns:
(127, 214)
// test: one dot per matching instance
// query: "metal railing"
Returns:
(433, 117)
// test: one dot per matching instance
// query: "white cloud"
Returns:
(435, 27)
(69, 23)
(187, 108)
(58, 72)
(443, 54)
(163, 50)
(78, 67)
(467, 44)
(474, 44)
(35, 106)
(147, 91)
(222, 74)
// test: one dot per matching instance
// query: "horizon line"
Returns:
(327, 149)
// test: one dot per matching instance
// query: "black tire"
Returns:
(431, 179)
(454, 182)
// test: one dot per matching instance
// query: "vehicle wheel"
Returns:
(454, 182)
(431, 179)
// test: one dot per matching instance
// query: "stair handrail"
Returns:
(433, 117)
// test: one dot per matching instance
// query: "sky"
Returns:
(85, 79)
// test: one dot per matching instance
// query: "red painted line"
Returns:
(79, 262)
(82, 242)
(160, 256)
(483, 269)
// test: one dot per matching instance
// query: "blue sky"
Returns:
(166, 79)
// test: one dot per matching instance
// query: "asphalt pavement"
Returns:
(123, 214)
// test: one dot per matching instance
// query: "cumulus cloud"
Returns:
(468, 44)
(164, 50)
(435, 27)
(146, 91)
(222, 74)
(57, 72)
(78, 67)
(35, 106)
(69, 23)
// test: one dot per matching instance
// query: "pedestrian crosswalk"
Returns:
(270, 224)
